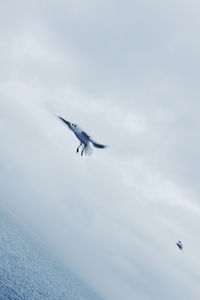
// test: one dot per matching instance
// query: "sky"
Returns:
(128, 74)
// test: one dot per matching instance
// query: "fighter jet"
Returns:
(83, 137)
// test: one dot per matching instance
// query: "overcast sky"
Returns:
(128, 73)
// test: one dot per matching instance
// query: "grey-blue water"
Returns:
(28, 272)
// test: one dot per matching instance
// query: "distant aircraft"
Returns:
(180, 245)
(82, 136)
